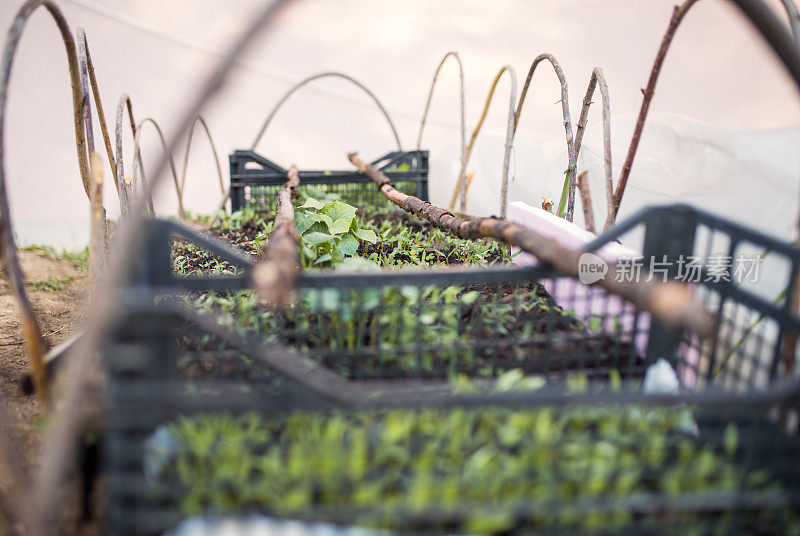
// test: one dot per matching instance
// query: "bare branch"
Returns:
(571, 152)
(30, 325)
(69, 421)
(310, 79)
(97, 240)
(457, 58)
(677, 16)
(137, 158)
(669, 302)
(598, 77)
(276, 278)
(461, 185)
(199, 119)
(124, 186)
(88, 79)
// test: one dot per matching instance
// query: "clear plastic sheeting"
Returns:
(750, 176)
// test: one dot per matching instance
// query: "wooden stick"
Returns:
(586, 198)
(461, 184)
(45, 505)
(677, 16)
(599, 79)
(125, 186)
(452, 54)
(97, 225)
(276, 278)
(670, 302)
(571, 147)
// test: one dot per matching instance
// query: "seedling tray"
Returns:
(255, 179)
(750, 396)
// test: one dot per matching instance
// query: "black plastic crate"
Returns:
(255, 179)
(752, 395)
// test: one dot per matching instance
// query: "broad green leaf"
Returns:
(322, 218)
(325, 258)
(303, 221)
(338, 210)
(367, 235)
(340, 226)
(312, 203)
(318, 227)
(317, 238)
(348, 245)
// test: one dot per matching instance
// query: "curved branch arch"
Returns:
(189, 137)
(43, 508)
(124, 185)
(11, 266)
(452, 54)
(572, 156)
(598, 78)
(137, 163)
(677, 16)
(461, 186)
(331, 74)
(88, 79)
(761, 17)
(127, 187)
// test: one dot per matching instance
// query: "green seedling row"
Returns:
(476, 471)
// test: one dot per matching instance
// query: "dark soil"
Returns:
(245, 237)
(196, 260)
(398, 218)
(553, 341)
(445, 252)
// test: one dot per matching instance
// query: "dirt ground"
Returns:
(57, 289)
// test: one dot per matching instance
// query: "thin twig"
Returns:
(457, 58)
(461, 185)
(97, 240)
(586, 198)
(599, 78)
(124, 184)
(87, 71)
(199, 119)
(669, 302)
(571, 153)
(137, 158)
(310, 79)
(677, 16)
